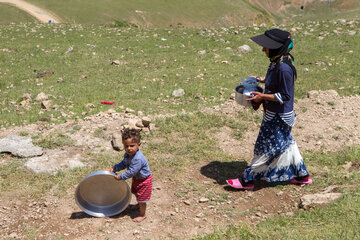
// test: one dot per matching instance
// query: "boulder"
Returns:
(19, 147)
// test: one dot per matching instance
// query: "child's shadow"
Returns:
(221, 171)
(129, 211)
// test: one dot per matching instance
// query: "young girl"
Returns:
(276, 155)
(137, 169)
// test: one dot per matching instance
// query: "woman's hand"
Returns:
(258, 97)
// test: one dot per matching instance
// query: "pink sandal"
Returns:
(235, 183)
(307, 180)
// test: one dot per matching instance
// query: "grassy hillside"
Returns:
(153, 63)
(155, 13)
(10, 14)
(200, 13)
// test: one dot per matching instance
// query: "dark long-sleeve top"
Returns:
(280, 83)
(137, 166)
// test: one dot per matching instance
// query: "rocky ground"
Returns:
(325, 121)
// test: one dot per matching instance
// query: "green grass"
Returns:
(154, 13)
(153, 63)
(54, 139)
(11, 14)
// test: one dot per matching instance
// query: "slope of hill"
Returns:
(200, 13)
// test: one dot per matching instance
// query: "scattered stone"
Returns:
(129, 110)
(244, 49)
(19, 147)
(27, 97)
(54, 160)
(116, 142)
(139, 124)
(83, 76)
(152, 127)
(41, 97)
(200, 215)
(202, 52)
(187, 202)
(199, 96)
(115, 62)
(60, 80)
(178, 93)
(146, 121)
(203, 200)
(90, 105)
(46, 104)
(311, 200)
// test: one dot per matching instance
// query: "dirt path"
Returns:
(41, 14)
(178, 209)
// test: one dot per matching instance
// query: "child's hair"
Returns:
(131, 133)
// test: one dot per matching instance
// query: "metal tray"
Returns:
(99, 194)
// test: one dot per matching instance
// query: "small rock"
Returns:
(178, 93)
(46, 104)
(309, 201)
(244, 49)
(203, 200)
(152, 127)
(27, 96)
(129, 110)
(139, 124)
(200, 215)
(90, 105)
(41, 97)
(146, 121)
(116, 142)
(187, 202)
(115, 62)
(199, 96)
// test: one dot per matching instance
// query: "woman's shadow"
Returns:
(221, 171)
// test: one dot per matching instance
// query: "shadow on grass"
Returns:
(221, 171)
(132, 213)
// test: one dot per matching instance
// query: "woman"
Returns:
(276, 155)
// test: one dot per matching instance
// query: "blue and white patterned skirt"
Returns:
(276, 155)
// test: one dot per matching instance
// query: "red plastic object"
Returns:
(107, 102)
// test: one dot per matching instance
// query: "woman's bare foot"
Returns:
(139, 218)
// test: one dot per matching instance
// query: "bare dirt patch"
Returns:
(325, 121)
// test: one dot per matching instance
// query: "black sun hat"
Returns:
(272, 39)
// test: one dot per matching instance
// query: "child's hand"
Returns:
(117, 177)
(111, 170)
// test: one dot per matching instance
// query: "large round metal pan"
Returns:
(99, 194)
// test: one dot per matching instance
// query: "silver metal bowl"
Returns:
(241, 98)
(99, 194)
